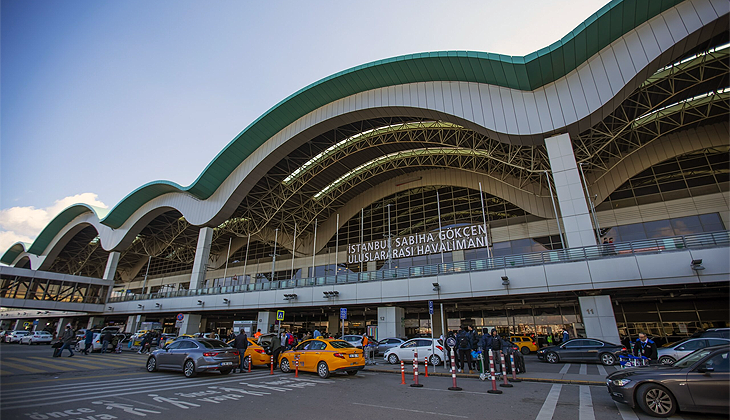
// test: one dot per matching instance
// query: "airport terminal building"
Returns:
(584, 186)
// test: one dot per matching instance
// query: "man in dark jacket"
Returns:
(494, 342)
(464, 344)
(645, 347)
(241, 344)
(88, 340)
(68, 339)
(276, 348)
(106, 338)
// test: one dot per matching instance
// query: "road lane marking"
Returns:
(583, 369)
(77, 363)
(21, 367)
(602, 370)
(586, 411)
(626, 412)
(565, 368)
(6, 383)
(412, 411)
(51, 366)
(548, 407)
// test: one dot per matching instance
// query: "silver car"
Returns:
(673, 352)
(388, 343)
(15, 336)
(194, 355)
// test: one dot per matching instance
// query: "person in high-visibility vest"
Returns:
(365, 342)
(257, 335)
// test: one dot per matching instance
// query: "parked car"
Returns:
(697, 382)
(715, 333)
(525, 343)
(323, 357)
(37, 337)
(582, 350)
(424, 346)
(388, 343)
(194, 355)
(96, 342)
(254, 354)
(15, 336)
(4, 334)
(670, 354)
(355, 340)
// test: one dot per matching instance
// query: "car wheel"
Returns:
(352, 372)
(435, 360)
(225, 371)
(189, 369)
(667, 360)
(656, 400)
(284, 365)
(246, 362)
(323, 370)
(608, 359)
(393, 359)
(151, 364)
(525, 350)
(552, 357)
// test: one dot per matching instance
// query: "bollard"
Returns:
(250, 362)
(415, 371)
(494, 389)
(504, 372)
(453, 373)
(514, 371)
(425, 364)
(272, 364)
(402, 373)
(296, 366)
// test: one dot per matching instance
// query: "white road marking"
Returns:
(602, 370)
(548, 407)
(565, 368)
(146, 378)
(586, 411)
(412, 411)
(626, 412)
(583, 369)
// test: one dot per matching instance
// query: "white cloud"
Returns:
(25, 223)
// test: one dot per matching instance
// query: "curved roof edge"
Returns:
(528, 72)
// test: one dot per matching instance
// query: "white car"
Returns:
(37, 337)
(670, 354)
(96, 342)
(15, 336)
(424, 346)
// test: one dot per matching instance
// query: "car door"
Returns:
(164, 358)
(405, 351)
(298, 351)
(571, 350)
(312, 355)
(688, 347)
(424, 349)
(178, 355)
(590, 349)
(708, 381)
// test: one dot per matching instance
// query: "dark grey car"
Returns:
(697, 382)
(582, 350)
(193, 355)
(387, 344)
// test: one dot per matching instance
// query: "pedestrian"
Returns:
(317, 334)
(566, 336)
(494, 342)
(626, 342)
(106, 339)
(241, 343)
(550, 339)
(88, 340)
(644, 347)
(68, 339)
(365, 343)
(463, 343)
(276, 349)
(231, 336)
(611, 247)
(146, 342)
(257, 334)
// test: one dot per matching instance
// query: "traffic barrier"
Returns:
(453, 373)
(272, 364)
(250, 362)
(402, 373)
(425, 364)
(494, 389)
(415, 370)
(504, 372)
(296, 366)
(514, 371)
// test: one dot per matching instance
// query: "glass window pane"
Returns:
(686, 225)
(658, 229)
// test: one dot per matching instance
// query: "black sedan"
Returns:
(582, 350)
(699, 381)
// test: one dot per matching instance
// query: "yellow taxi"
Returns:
(323, 357)
(254, 353)
(524, 342)
(171, 339)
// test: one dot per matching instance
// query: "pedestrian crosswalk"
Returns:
(25, 365)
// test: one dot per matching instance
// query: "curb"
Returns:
(524, 379)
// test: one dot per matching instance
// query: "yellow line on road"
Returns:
(52, 366)
(2, 372)
(68, 379)
(77, 363)
(21, 367)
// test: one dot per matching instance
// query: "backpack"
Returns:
(290, 339)
(464, 342)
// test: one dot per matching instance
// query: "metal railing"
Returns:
(619, 249)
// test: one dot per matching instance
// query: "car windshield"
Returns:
(691, 358)
(341, 344)
(213, 344)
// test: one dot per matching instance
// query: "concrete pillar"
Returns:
(42, 323)
(61, 325)
(202, 254)
(372, 266)
(111, 269)
(598, 318)
(133, 322)
(437, 321)
(265, 321)
(190, 324)
(574, 211)
(391, 322)
(333, 324)
(95, 321)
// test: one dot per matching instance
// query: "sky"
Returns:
(100, 97)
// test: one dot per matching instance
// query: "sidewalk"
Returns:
(529, 376)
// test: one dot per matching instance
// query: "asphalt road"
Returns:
(116, 386)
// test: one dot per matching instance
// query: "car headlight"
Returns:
(541, 351)
(621, 382)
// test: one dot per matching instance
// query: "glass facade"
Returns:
(664, 228)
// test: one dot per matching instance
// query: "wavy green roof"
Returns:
(518, 72)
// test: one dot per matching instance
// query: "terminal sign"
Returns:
(447, 240)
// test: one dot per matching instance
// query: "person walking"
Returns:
(317, 334)
(88, 340)
(646, 348)
(241, 344)
(68, 340)
(276, 348)
(463, 343)
(566, 336)
(106, 339)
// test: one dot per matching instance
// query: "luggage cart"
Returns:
(633, 361)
